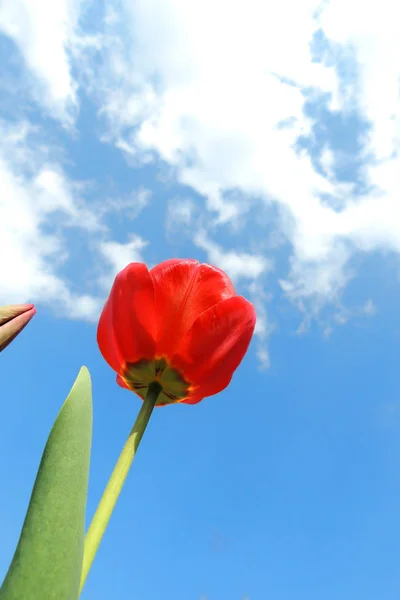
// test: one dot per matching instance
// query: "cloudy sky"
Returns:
(260, 137)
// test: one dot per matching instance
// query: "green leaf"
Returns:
(47, 563)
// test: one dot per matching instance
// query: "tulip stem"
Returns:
(116, 481)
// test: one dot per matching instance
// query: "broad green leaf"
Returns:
(48, 560)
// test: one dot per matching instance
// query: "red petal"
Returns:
(127, 326)
(215, 345)
(212, 385)
(106, 339)
(184, 289)
(122, 383)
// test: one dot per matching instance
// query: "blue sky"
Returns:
(268, 146)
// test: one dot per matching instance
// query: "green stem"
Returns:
(116, 481)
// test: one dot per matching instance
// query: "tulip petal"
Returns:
(10, 311)
(127, 327)
(13, 319)
(106, 338)
(212, 385)
(122, 383)
(215, 346)
(184, 289)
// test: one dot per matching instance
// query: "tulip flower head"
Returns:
(180, 324)
(13, 319)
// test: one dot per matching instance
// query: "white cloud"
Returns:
(238, 265)
(222, 100)
(37, 202)
(180, 213)
(371, 31)
(53, 192)
(39, 207)
(129, 205)
(45, 32)
(184, 217)
(215, 109)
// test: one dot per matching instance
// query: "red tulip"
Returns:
(13, 319)
(180, 324)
